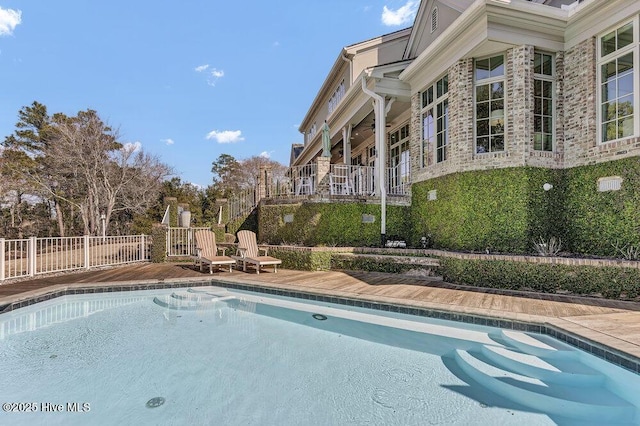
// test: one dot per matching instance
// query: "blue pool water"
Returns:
(212, 356)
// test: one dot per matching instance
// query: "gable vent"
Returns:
(434, 19)
(610, 183)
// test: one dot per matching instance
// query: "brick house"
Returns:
(518, 117)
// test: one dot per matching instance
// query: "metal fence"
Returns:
(181, 241)
(36, 256)
(242, 203)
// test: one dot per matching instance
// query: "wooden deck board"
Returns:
(614, 323)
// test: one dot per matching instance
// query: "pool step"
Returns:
(190, 302)
(537, 344)
(581, 402)
(562, 371)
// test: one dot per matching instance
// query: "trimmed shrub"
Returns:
(158, 244)
(303, 260)
(609, 282)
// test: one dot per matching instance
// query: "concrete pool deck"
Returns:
(612, 324)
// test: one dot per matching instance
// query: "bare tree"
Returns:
(98, 173)
(232, 175)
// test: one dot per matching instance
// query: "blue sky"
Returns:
(186, 80)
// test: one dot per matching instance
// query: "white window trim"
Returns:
(553, 79)
(490, 80)
(635, 48)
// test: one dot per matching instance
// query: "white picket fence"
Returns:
(36, 256)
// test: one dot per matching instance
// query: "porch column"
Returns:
(346, 144)
(381, 143)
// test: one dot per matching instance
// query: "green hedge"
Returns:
(303, 260)
(374, 265)
(335, 224)
(248, 222)
(503, 209)
(596, 221)
(506, 210)
(158, 244)
(610, 282)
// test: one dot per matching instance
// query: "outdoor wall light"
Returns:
(423, 242)
(547, 187)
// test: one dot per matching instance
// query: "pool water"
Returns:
(212, 356)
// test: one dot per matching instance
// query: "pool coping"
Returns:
(554, 327)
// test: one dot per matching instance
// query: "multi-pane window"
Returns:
(336, 97)
(312, 132)
(617, 77)
(489, 103)
(435, 117)
(399, 158)
(543, 82)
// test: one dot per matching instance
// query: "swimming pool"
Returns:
(215, 356)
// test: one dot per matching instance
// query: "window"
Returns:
(399, 159)
(489, 103)
(336, 97)
(618, 55)
(434, 19)
(543, 87)
(435, 121)
(312, 131)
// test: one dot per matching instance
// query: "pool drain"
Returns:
(155, 402)
(319, 317)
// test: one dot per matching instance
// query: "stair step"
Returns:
(584, 403)
(190, 302)
(537, 344)
(562, 371)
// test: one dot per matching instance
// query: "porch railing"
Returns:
(351, 180)
(298, 181)
(398, 180)
(36, 256)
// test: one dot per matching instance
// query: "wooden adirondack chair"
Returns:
(249, 252)
(207, 253)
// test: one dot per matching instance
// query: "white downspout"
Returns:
(381, 125)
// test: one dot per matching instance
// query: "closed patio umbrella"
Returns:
(326, 140)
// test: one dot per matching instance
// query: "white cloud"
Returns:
(9, 19)
(265, 154)
(214, 76)
(168, 141)
(401, 16)
(225, 136)
(134, 147)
